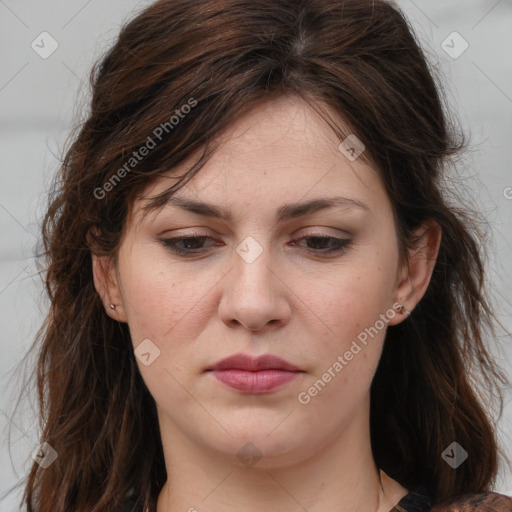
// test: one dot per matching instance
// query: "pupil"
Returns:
(320, 241)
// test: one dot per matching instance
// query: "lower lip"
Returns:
(256, 383)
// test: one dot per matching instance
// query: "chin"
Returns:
(260, 449)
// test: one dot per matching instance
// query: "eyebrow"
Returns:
(285, 212)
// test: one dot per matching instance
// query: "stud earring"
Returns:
(112, 306)
(403, 310)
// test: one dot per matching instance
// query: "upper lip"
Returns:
(249, 363)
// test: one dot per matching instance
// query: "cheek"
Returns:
(350, 304)
(353, 297)
(159, 299)
(347, 347)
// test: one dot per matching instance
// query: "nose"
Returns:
(255, 295)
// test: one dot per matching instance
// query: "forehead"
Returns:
(281, 151)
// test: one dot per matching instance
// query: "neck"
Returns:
(340, 475)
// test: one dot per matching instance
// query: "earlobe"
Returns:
(107, 286)
(417, 271)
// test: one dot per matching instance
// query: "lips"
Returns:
(254, 364)
(250, 375)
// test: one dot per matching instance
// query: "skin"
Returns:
(304, 306)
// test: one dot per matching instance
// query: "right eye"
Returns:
(186, 245)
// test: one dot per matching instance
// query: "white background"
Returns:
(39, 99)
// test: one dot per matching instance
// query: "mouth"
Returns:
(255, 383)
(251, 375)
(254, 364)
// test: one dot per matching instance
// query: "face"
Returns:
(315, 286)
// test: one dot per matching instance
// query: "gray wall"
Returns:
(38, 99)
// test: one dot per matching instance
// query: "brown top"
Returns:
(484, 502)
(420, 500)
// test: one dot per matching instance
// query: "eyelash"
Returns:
(341, 244)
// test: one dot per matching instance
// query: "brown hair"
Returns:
(362, 61)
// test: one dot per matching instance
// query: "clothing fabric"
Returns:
(419, 499)
(483, 502)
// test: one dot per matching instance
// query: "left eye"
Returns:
(321, 243)
(191, 245)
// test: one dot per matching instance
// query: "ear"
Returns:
(414, 276)
(106, 282)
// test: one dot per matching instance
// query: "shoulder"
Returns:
(483, 502)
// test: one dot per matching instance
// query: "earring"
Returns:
(403, 310)
(112, 306)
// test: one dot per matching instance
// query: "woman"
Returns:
(260, 296)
